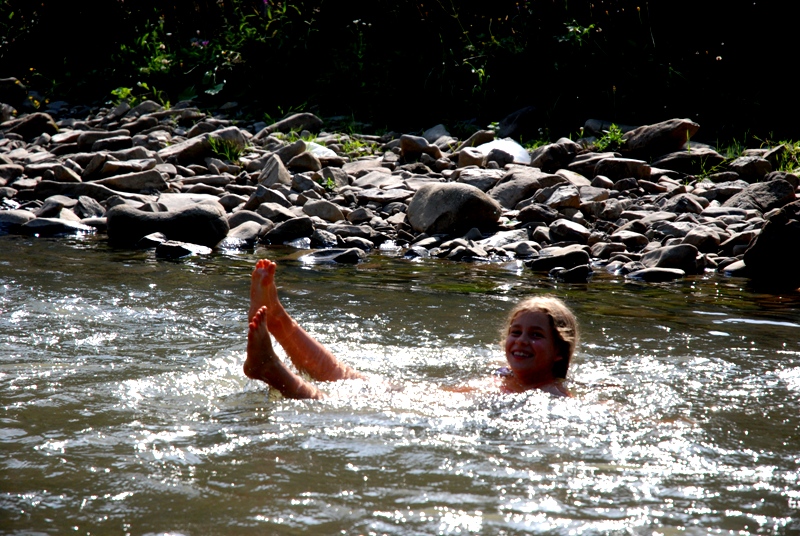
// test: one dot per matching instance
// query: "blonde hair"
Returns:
(562, 321)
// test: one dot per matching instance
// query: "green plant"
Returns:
(126, 94)
(611, 140)
(282, 113)
(576, 34)
(225, 149)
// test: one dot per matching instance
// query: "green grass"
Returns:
(611, 140)
(226, 149)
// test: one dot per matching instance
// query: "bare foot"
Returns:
(263, 364)
(262, 287)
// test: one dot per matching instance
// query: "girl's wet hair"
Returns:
(562, 321)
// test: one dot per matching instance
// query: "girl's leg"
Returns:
(305, 351)
(262, 363)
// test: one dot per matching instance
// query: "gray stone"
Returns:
(274, 212)
(135, 182)
(274, 172)
(551, 157)
(173, 249)
(622, 168)
(763, 196)
(13, 219)
(771, 259)
(483, 179)
(656, 275)
(451, 208)
(296, 122)
(470, 156)
(413, 146)
(566, 258)
(682, 203)
(659, 138)
(560, 196)
(682, 256)
(338, 255)
(563, 230)
(30, 126)
(300, 227)
(694, 162)
(383, 196)
(751, 168)
(201, 223)
(54, 227)
(323, 209)
(521, 183)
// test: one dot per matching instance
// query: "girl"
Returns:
(540, 338)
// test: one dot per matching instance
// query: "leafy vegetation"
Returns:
(619, 60)
(611, 140)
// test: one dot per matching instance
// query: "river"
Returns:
(125, 411)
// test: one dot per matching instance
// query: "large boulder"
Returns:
(660, 138)
(763, 196)
(451, 208)
(682, 256)
(202, 223)
(521, 183)
(771, 258)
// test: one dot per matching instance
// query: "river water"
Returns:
(125, 411)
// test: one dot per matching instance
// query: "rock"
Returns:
(660, 138)
(287, 152)
(483, 179)
(751, 168)
(15, 218)
(332, 178)
(383, 196)
(30, 126)
(266, 195)
(622, 168)
(434, 133)
(521, 183)
(537, 212)
(682, 203)
(507, 145)
(705, 238)
(135, 182)
(632, 241)
(576, 179)
(563, 230)
(551, 157)
(451, 208)
(95, 191)
(585, 164)
(559, 196)
(64, 174)
(323, 209)
(54, 227)
(763, 196)
(172, 249)
(296, 122)
(300, 227)
(244, 235)
(521, 124)
(771, 259)
(201, 223)
(275, 212)
(471, 156)
(693, 162)
(344, 256)
(274, 172)
(412, 147)
(576, 274)
(565, 258)
(682, 256)
(791, 178)
(656, 275)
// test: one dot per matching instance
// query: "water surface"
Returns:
(124, 409)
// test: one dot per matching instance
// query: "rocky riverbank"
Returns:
(657, 208)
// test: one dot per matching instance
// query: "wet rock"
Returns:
(200, 223)
(339, 255)
(683, 257)
(538, 212)
(172, 249)
(451, 208)
(54, 227)
(656, 275)
(771, 260)
(11, 220)
(299, 227)
(576, 274)
(563, 230)
(565, 258)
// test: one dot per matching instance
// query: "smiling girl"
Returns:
(540, 338)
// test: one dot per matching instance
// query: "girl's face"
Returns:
(531, 348)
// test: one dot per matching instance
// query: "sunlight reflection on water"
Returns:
(125, 405)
